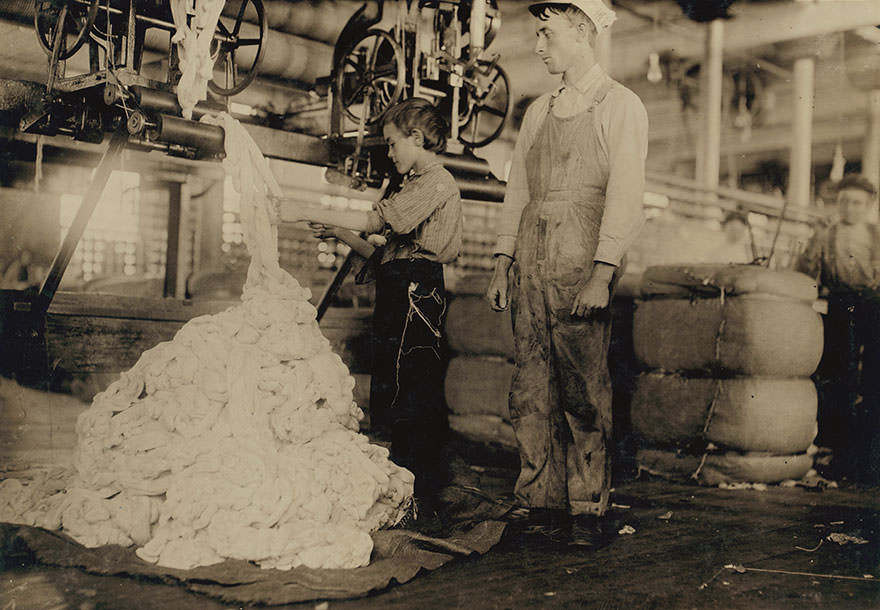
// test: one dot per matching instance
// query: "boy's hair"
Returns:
(569, 11)
(856, 181)
(417, 113)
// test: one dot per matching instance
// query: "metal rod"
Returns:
(206, 138)
(334, 285)
(165, 102)
(62, 258)
(165, 25)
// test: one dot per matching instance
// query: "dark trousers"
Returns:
(407, 404)
(848, 380)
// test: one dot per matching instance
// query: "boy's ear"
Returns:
(418, 137)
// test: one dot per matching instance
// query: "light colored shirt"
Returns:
(622, 126)
(423, 219)
(844, 257)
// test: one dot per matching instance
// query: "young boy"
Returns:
(845, 258)
(422, 224)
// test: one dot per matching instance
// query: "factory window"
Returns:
(110, 243)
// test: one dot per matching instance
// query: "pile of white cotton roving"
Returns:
(238, 438)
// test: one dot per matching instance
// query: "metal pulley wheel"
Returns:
(485, 105)
(136, 122)
(370, 76)
(238, 46)
(73, 17)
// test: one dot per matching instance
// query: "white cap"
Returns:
(598, 12)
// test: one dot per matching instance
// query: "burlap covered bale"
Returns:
(746, 335)
(712, 279)
(479, 385)
(484, 428)
(777, 416)
(724, 467)
(473, 328)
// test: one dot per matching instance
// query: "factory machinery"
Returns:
(434, 49)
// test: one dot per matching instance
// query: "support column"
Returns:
(709, 151)
(871, 152)
(801, 153)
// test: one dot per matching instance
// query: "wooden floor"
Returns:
(685, 540)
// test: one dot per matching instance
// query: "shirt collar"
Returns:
(585, 83)
(413, 173)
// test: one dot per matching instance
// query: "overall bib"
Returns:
(560, 400)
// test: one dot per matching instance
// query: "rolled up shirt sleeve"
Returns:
(516, 194)
(625, 123)
(374, 222)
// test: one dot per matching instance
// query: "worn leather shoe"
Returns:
(551, 523)
(586, 531)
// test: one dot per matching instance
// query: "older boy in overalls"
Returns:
(573, 207)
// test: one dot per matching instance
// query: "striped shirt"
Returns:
(423, 219)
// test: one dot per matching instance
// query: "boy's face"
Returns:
(853, 206)
(402, 149)
(559, 44)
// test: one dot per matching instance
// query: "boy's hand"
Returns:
(498, 292)
(593, 296)
(320, 231)
(595, 293)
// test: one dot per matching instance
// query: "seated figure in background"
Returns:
(22, 272)
(736, 243)
(844, 257)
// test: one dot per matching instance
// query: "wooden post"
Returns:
(800, 166)
(709, 152)
(871, 154)
(172, 251)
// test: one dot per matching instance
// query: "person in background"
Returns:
(844, 257)
(22, 272)
(421, 227)
(572, 208)
(736, 243)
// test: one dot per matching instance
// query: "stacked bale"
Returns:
(730, 349)
(480, 370)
